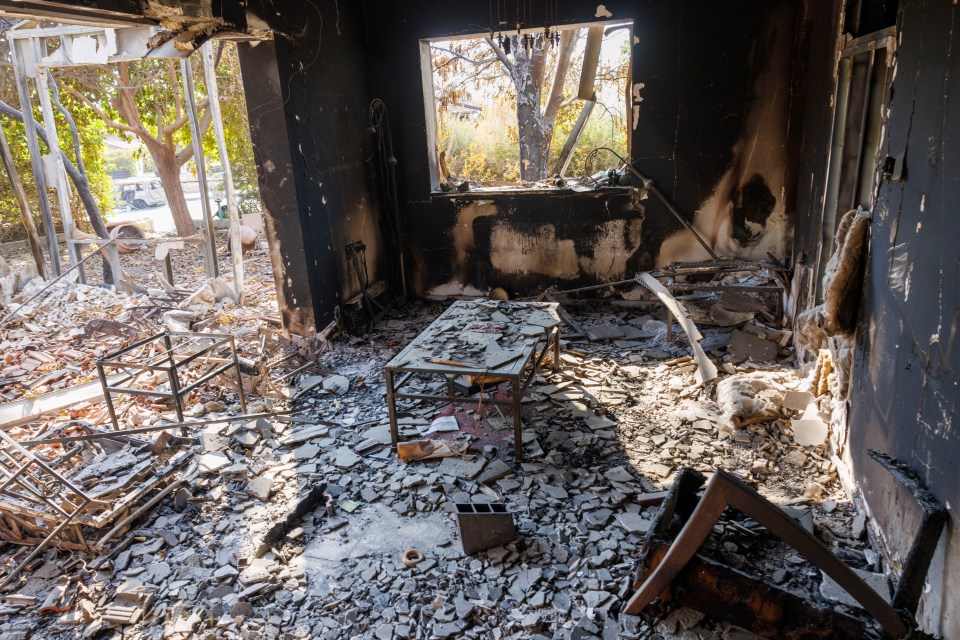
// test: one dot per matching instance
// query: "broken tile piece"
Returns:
(443, 424)
(618, 474)
(335, 384)
(346, 458)
(747, 346)
(494, 471)
(466, 467)
(633, 522)
(306, 452)
(213, 461)
(833, 591)
(260, 488)
(600, 422)
(600, 332)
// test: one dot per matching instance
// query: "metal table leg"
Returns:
(392, 408)
(556, 349)
(517, 422)
(108, 397)
(236, 368)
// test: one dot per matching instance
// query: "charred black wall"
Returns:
(275, 174)
(717, 93)
(906, 384)
(904, 391)
(308, 95)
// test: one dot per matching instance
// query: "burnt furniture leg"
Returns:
(726, 490)
(517, 420)
(392, 407)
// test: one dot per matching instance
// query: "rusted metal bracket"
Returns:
(725, 490)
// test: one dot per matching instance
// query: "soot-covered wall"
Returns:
(906, 384)
(308, 94)
(713, 130)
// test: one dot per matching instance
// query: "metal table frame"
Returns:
(520, 376)
(170, 362)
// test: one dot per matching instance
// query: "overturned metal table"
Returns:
(495, 341)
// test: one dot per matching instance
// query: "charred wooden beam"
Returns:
(724, 491)
(724, 593)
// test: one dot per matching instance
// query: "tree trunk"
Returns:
(533, 142)
(535, 126)
(169, 171)
(527, 77)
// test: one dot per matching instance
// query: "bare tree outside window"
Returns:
(512, 109)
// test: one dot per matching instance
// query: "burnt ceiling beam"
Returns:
(99, 13)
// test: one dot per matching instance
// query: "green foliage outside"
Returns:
(158, 85)
(92, 131)
(477, 130)
(486, 149)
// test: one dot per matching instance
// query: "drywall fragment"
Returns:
(706, 370)
(809, 430)
(797, 400)
(603, 12)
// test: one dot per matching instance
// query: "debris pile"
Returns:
(304, 523)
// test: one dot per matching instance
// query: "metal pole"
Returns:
(213, 270)
(33, 145)
(213, 93)
(61, 185)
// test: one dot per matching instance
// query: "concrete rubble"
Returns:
(295, 526)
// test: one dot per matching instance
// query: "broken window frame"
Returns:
(864, 73)
(432, 120)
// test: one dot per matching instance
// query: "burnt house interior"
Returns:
(802, 149)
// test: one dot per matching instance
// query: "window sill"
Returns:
(508, 192)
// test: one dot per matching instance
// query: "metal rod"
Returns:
(236, 364)
(650, 186)
(36, 159)
(213, 94)
(594, 287)
(213, 269)
(154, 428)
(62, 187)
